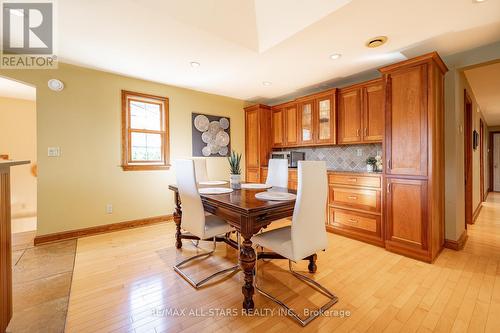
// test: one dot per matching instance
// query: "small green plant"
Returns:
(234, 163)
(371, 161)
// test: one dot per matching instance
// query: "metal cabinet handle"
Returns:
(366, 131)
(389, 163)
(353, 179)
(352, 197)
(357, 132)
(388, 187)
(353, 221)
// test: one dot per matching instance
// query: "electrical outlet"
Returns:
(54, 151)
(359, 152)
(109, 209)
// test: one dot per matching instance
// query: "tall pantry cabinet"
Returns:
(414, 156)
(257, 140)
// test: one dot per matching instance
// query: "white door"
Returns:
(496, 162)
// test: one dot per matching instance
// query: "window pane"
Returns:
(145, 116)
(146, 147)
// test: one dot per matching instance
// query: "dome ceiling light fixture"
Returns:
(376, 41)
(335, 56)
(266, 83)
(55, 85)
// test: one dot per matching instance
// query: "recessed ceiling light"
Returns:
(376, 41)
(266, 83)
(335, 56)
(478, 1)
(194, 64)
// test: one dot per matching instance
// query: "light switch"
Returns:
(359, 152)
(54, 151)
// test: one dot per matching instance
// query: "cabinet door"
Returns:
(350, 116)
(291, 126)
(406, 127)
(373, 112)
(306, 121)
(407, 212)
(277, 126)
(325, 130)
(252, 141)
(252, 175)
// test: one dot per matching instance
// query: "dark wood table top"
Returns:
(244, 200)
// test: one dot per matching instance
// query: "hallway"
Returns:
(484, 234)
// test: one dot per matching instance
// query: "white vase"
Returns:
(235, 182)
(369, 167)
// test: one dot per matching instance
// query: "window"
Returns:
(145, 134)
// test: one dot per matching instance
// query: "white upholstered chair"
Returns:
(277, 173)
(307, 233)
(200, 169)
(195, 221)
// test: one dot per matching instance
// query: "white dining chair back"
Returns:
(309, 215)
(277, 173)
(193, 214)
(200, 169)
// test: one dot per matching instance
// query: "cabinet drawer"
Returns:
(353, 198)
(353, 220)
(354, 180)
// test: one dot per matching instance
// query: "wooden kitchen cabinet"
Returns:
(407, 114)
(407, 214)
(257, 140)
(373, 111)
(350, 116)
(355, 206)
(291, 125)
(361, 113)
(277, 128)
(325, 118)
(306, 122)
(414, 152)
(317, 118)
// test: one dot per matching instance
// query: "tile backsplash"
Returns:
(343, 158)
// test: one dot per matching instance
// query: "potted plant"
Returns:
(370, 163)
(235, 169)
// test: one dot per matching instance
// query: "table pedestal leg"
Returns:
(312, 264)
(247, 264)
(177, 220)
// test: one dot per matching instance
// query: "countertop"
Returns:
(357, 172)
(9, 163)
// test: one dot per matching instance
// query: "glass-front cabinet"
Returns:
(325, 118)
(306, 121)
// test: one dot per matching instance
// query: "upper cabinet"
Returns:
(325, 125)
(361, 113)
(373, 111)
(307, 121)
(350, 116)
(407, 114)
(291, 125)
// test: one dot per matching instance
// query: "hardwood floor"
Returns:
(124, 282)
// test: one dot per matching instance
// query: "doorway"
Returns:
(18, 142)
(468, 157)
(496, 162)
(481, 160)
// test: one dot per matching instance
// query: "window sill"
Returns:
(145, 167)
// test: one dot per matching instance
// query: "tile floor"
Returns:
(41, 284)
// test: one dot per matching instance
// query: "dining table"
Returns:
(248, 215)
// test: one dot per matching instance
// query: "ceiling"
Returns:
(485, 84)
(242, 43)
(13, 89)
